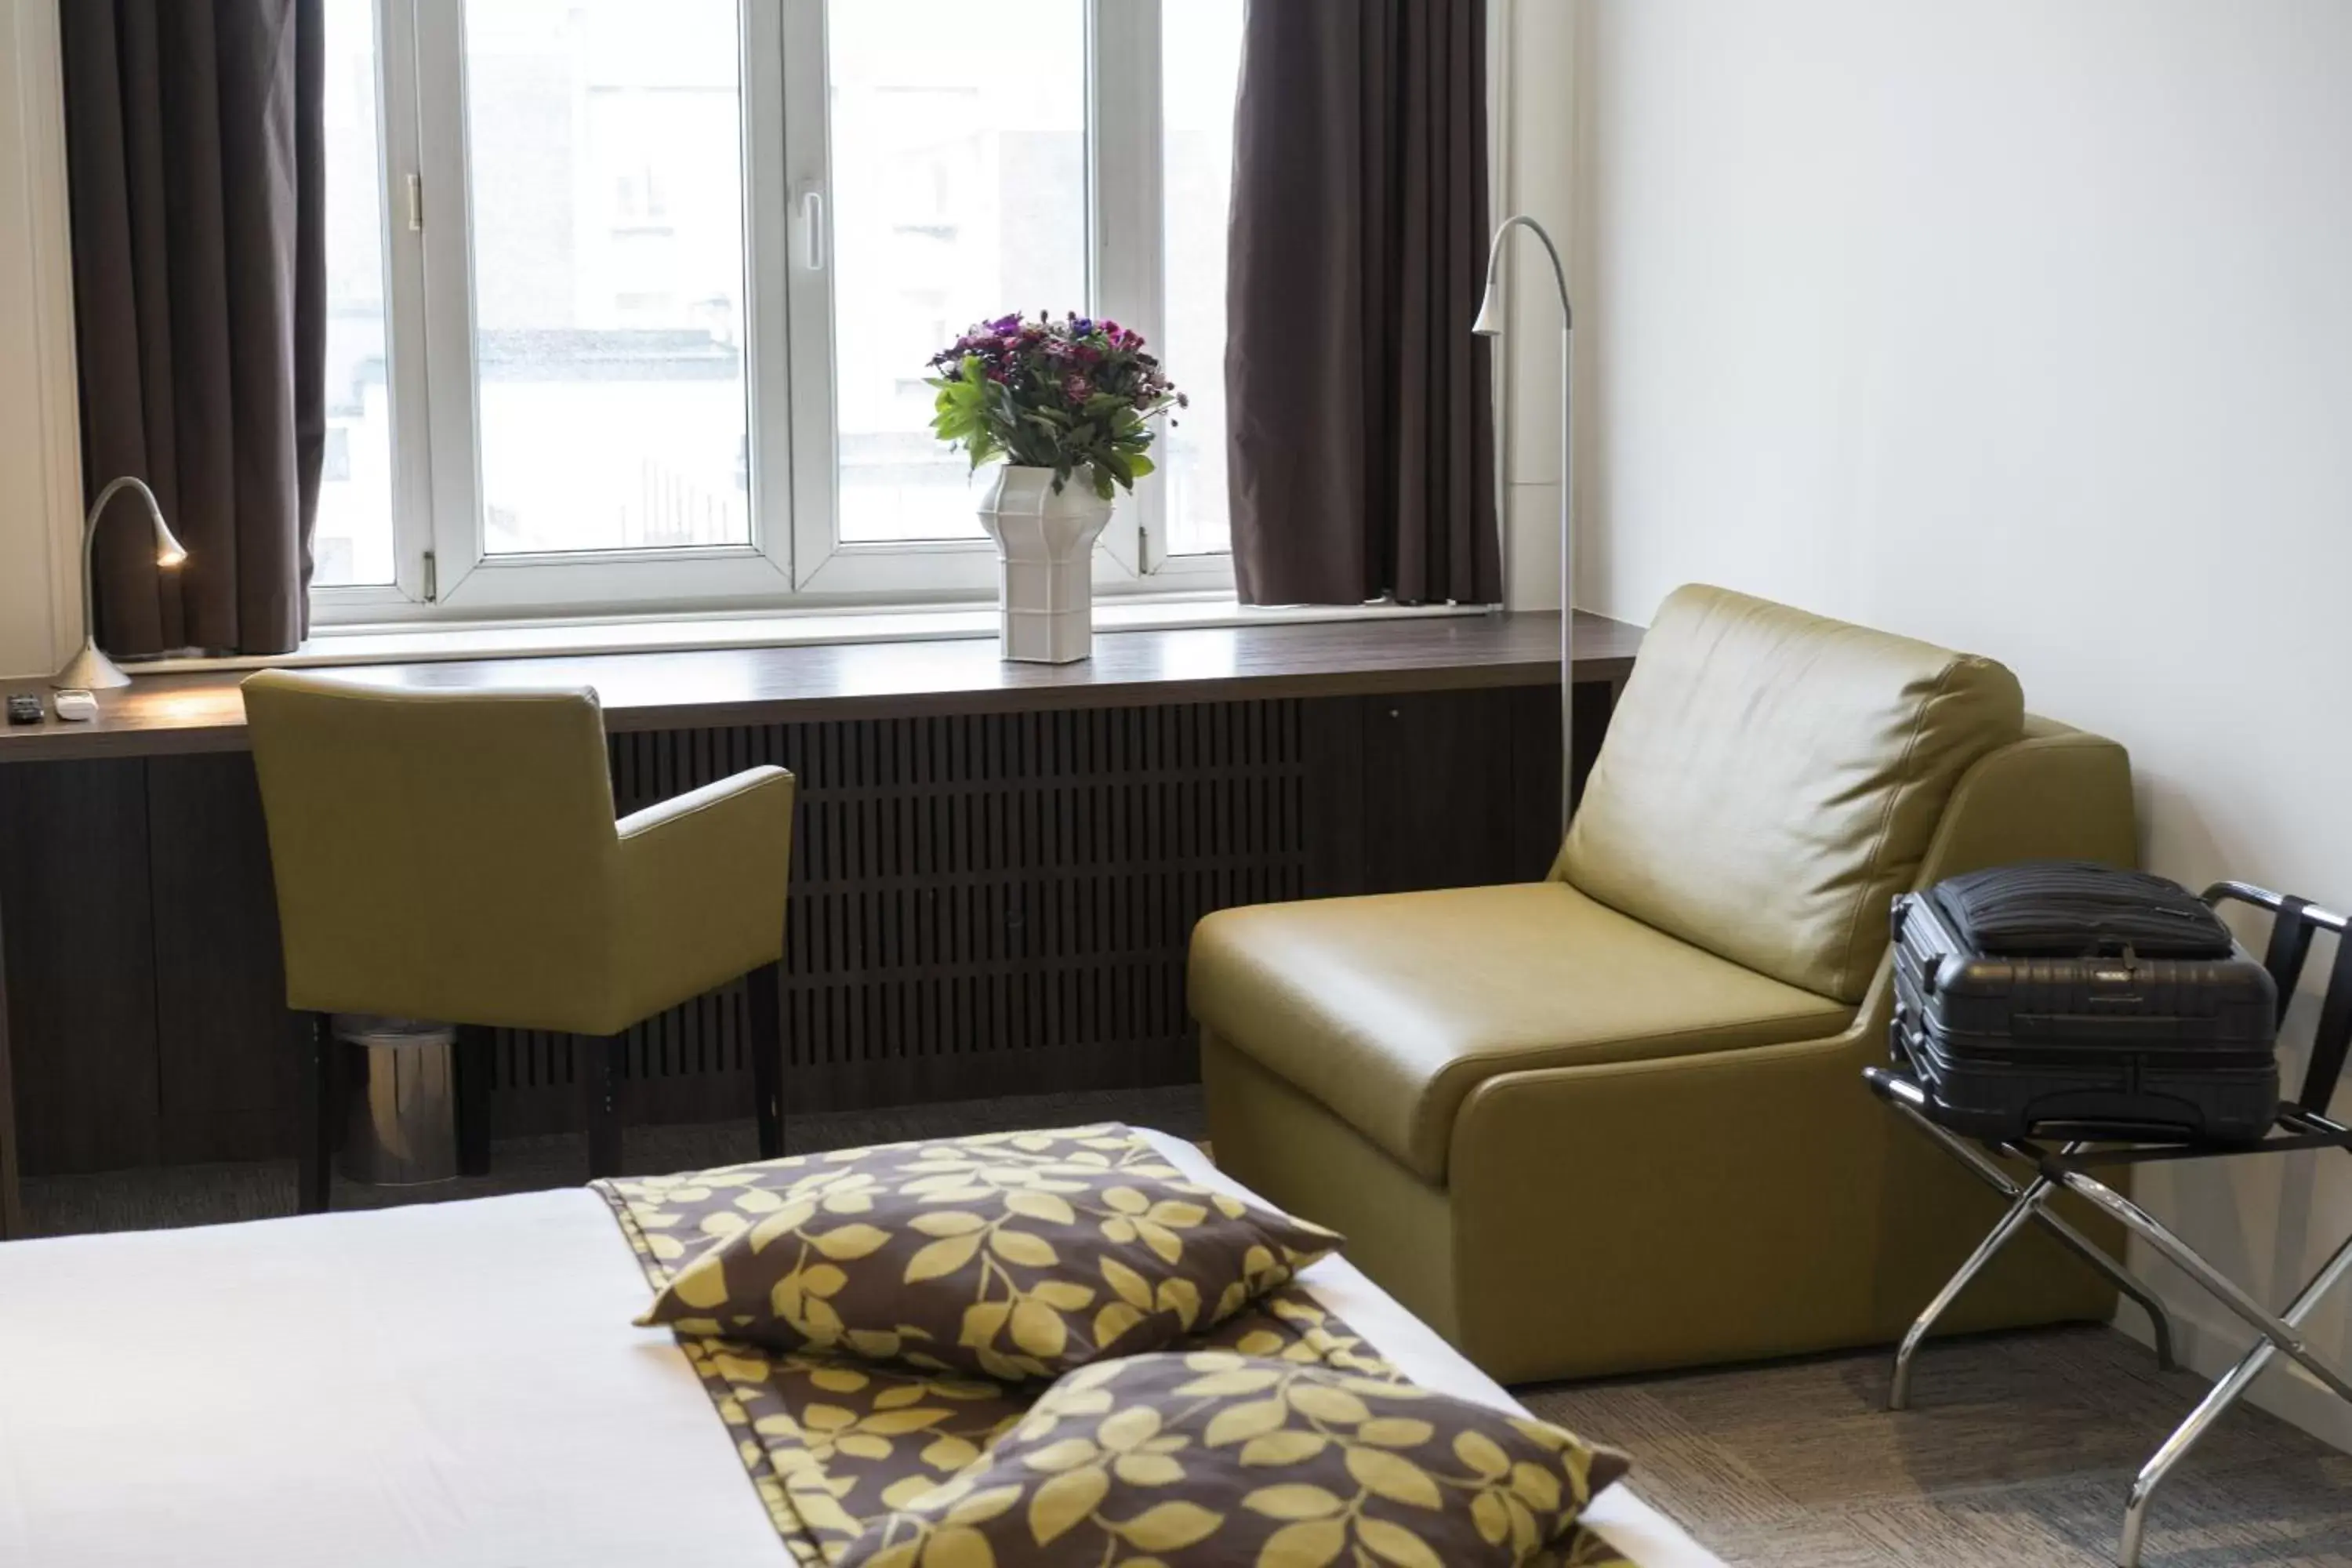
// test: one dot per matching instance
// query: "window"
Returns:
(631, 305)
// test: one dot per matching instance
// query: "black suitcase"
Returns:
(2074, 1000)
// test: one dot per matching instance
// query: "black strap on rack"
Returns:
(2333, 1036)
(2290, 945)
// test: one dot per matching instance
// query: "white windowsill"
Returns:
(775, 629)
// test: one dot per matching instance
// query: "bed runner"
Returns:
(833, 1443)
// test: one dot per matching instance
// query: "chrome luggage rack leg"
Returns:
(2302, 1123)
(2029, 1201)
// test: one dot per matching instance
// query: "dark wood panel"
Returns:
(718, 687)
(1331, 739)
(225, 1056)
(80, 959)
(11, 1199)
(1439, 791)
(1535, 778)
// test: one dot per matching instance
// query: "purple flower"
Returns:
(1076, 388)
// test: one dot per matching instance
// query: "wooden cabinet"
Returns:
(983, 904)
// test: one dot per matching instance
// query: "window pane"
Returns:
(1199, 62)
(604, 145)
(352, 543)
(959, 193)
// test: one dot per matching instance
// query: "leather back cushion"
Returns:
(1771, 779)
(440, 855)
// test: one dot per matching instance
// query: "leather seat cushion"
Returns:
(1390, 1010)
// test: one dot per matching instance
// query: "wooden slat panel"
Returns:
(80, 958)
(981, 903)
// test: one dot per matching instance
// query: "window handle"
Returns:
(812, 206)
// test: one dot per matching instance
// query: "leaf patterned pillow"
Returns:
(1014, 1256)
(1218, 1459)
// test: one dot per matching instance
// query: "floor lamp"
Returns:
(1489, 324)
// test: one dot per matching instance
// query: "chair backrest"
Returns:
(1771, 779)
(446, 855)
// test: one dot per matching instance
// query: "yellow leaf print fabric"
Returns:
(1012, 1256)
(833, 1443)
(1214, 1457)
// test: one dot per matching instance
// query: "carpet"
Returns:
(2017, 1453)
(163, 1196)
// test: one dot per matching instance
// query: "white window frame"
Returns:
(795, 557)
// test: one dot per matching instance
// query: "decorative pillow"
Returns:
(1014, 1255)
(1217, 1458)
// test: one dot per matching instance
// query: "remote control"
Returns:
(23, 707)
(76, 706)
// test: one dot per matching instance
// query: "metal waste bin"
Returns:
(400, 1125)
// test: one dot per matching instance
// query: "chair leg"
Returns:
(766, 1045)
(471, 1061)
(314, 1048)
(599, 1063)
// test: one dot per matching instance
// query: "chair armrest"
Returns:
(1768, 1173)
(702, 882)
(717, 800)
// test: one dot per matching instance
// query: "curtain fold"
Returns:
(195, 166)
(1360, 435)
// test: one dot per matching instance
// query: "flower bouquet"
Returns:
(1068, 395)
(1048, 400)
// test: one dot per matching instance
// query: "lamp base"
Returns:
(89, 670)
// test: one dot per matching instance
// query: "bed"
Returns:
(455, 1385)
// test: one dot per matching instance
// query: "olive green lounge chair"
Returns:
(1614, 1120)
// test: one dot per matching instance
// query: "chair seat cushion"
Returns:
(1391, 1009)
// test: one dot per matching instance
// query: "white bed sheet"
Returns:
(452, 1385)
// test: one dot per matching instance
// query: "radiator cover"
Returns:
(980, 904)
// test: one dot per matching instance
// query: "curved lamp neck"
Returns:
(1494, 261)
(168, 551)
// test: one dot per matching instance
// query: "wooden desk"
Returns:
(138, 837)
(162, 715)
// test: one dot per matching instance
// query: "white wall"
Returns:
(1531, 70)
(40, 483)
(2025, 327)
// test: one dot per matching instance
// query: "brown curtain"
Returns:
(1359, 408)
(194, 153)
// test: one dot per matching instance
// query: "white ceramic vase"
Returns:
(1044, 553)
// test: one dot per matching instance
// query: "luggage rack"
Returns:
(2063, 1156)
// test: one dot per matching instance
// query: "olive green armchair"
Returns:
(1614, 1120)
(453, 857)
